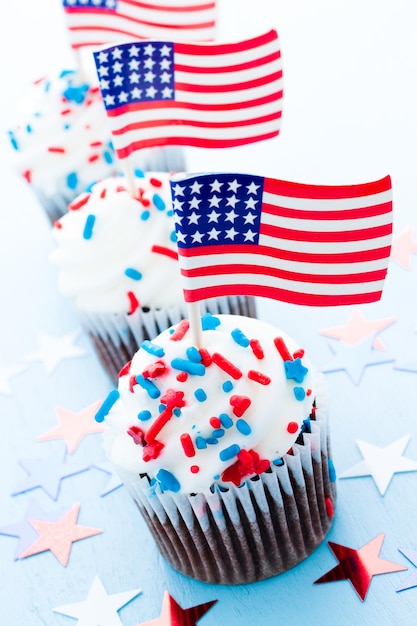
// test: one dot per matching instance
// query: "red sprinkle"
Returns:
(292, 427)
(298, 354)
(240, 404)
(329, 507)
(74, 206)
(134, 302)
(258, 377)
(172, 254)
(126, 369)
(187, 445)
(152, 450)
(154, 369)
(173, 399)
(205, 357)
(27, 174)
(226, 365)
(57, 224)
(248, 462)
(66, 111)
(308, 392)
(93, 157)
(215, 422)
(282, 349)
(137, 435)
(194, 469)
(132, 383)
(182, 377)
(155, 182)
(180, 330)
(145, 202)
(103, 193)
(162, 419)
(56, 149)
(256, 348)
(96, 144)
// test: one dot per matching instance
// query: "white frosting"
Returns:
(63, 140)
(92, 271)
(262, 428)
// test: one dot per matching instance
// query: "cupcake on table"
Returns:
(219, 425)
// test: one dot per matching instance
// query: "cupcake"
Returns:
(116, 258)
(63, 142)
(225, 448)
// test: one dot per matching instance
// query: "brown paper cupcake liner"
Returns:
(116, 337)
(248, 533)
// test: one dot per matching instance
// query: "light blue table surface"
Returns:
(350, 111)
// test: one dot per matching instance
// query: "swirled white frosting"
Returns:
(204, 419)
(63, 139)
(114, 250)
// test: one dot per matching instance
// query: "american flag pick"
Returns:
(205, 95)
(303, 244)
(97, 22)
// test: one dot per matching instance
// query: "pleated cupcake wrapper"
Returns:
(167, 159)
(248, 533)
(117, 336)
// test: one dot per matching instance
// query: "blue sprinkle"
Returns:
(76, 94)
(332, 471)
(47, 86)
(306, 426)
(162, 407)
(170, 213)
(217, 433)
(211, 441)
(149, 386)
(279, 462)
(243, 427)
(193, 354)
(144, 415)
(177, 412)
(240, 338)
(66, 73)
(299, 393)
(230, 452)
(139, 173)
(226, 421)
(145, 215)
(168, 481)
(152, 348)
(227, 386)
(28, 128)
(173, 236)
(200, 443)
(130, 272)
(72, 180)
(113, 396)
(158, 202)
(13, 140)
(89, 225)
(295, 370)
(183, 365)
(209, 321)
(200, 395)
(108, 157)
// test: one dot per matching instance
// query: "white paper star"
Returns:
(382, 463)
(99, 607)
(6, 373)
(53, 350)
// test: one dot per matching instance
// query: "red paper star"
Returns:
(359, 328)
(403, 247)
(359, 566)
(74, 426)
(173, 615)
(59, 536)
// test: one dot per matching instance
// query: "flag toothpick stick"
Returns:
(194, 317)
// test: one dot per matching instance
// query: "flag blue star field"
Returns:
(304, 244)
(97, 22)
(205, 95)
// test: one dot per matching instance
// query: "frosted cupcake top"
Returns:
(189, 417)
(116, 252)
(63, 140)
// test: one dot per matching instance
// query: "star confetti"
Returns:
(403, 247)
(8, 372)
(359, 328)
(113, 481)
(359, 566)
(24, 531)
(59, 536)
(53, 350)
(411, 580)
(355, 359)
(47, 474)
(382, 463)
(99, 607)
(173, 615)
(74, 426)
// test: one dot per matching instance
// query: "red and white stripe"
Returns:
(225, 95)
(318, 246)
(182, 20)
